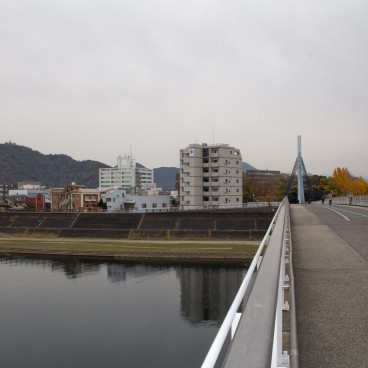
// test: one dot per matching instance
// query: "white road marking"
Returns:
(332, 209)
(354, 213)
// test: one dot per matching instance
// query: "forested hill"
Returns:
(19, 163)
(164, 177)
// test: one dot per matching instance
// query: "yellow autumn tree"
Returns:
(359, 186)
(346, 182)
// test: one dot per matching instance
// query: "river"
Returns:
(68, 312)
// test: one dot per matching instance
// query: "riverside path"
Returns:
(330, 260)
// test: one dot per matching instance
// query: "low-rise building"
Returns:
(74, 198)
(118, 200)
(17, 201)
(30, 185)
(4, 189)
(38, 202)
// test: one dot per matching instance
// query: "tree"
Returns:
(268, 189)
(102, 204)
(347, 182)
(324, 186)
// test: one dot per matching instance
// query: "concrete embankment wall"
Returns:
(245, 224)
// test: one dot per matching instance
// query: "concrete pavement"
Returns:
(331, 281)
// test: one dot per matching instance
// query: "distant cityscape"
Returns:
(209, 177)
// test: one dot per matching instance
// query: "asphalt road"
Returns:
(350, 222)
(330, 260)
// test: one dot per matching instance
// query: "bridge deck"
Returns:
(330, 259)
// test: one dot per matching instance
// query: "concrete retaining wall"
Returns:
(245, 224)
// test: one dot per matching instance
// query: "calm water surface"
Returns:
(74, 313)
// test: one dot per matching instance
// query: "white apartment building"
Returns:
(211, 176)
(125, 175)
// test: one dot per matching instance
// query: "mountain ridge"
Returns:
(19, 164)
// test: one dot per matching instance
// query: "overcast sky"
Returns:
(92, 78)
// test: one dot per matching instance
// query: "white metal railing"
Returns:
(261, 204)
(356, 200)
(232, 314)
(281, 357)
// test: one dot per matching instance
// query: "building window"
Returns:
(164, 205)
(144, 205)
(154, 205)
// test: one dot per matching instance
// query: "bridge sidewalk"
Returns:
(331, 281)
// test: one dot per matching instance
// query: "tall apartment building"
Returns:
(210, 177)
(125, 175)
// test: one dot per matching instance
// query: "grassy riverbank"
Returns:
(107, 248)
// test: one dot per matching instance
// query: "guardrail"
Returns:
(256, 334)
(261, 204)
(355, 200)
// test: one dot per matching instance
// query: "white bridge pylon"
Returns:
(301, 198)
(300, 171)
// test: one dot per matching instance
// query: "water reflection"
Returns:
(71, 267)
(105, 314)
(75, 268)
(206, 293)
(120, 272)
